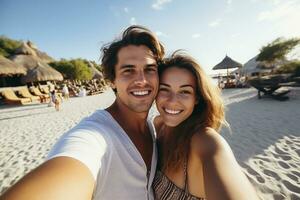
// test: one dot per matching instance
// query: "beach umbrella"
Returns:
(25, 49)
(9, 68)
(96, 73)
(29, 48)
(227, 63)
(41, 72)
(37, 70)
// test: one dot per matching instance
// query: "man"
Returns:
(111, 154)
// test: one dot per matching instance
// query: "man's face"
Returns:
(136, 78)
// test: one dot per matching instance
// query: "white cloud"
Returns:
(229, 2)
(132, 21)
(158, 4)
(285, 14)
(235, 35)
(126, 10)
(196, 35)
(215, 23)
(161, 34)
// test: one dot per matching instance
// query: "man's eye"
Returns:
(152, 69)
(128, 71)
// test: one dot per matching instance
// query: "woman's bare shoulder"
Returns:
(208, 142)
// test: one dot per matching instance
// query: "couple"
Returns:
(121, 153)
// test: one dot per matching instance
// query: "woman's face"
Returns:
(177, 95)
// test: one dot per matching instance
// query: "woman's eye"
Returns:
(163, 89)
(185, 92)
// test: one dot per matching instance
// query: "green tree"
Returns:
(291, 67)
(65, 67)
(8, 46)
(73, 69)
(277, 50)
(81, 70)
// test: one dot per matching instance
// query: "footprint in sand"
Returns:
(278, 197)
(283, 165)
(291, 187)
(257, 175)
(294, 197)
(286, 158)
(293, 177)
(279, 151)
(298, 152)
(271, 174)
(296, 173)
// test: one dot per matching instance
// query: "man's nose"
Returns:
(141, 78)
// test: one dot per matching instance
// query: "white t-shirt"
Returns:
(103, 146)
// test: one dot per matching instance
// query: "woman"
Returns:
(195, 162)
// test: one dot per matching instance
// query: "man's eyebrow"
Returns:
(126, 66)
(151, 65)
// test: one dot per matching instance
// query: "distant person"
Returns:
(112, 154)
(55, 100)
(195, 162)
(65, 92)
(82, 92)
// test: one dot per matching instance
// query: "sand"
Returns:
(264, 136)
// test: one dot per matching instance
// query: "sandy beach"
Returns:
(264, 135)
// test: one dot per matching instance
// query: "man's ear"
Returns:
(112, 85)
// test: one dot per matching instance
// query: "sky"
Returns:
(207, 30)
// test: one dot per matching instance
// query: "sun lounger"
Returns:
(11, 98)
(24, 92)
(37, 92)
(270, 86)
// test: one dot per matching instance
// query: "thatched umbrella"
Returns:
(9, 68)
(227, 63)
(28, 48)
(96, 73)
(41, 72)
(25, 49)
(37, 70)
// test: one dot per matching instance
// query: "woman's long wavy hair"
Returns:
(208, 112)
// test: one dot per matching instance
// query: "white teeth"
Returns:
(173, 112)
(141, 93)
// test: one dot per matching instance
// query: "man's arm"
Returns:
(58, 178)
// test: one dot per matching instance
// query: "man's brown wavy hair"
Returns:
(133, 35)
(208, 112)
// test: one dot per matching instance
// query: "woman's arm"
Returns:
(223, 177)
(58, 178)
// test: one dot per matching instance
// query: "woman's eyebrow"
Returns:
(187, 85)
(164, 84)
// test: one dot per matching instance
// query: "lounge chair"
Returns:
(270, 86)
(11, 98)
(35, 91)
(24, 92)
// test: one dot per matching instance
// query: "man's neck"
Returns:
(127, 118)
